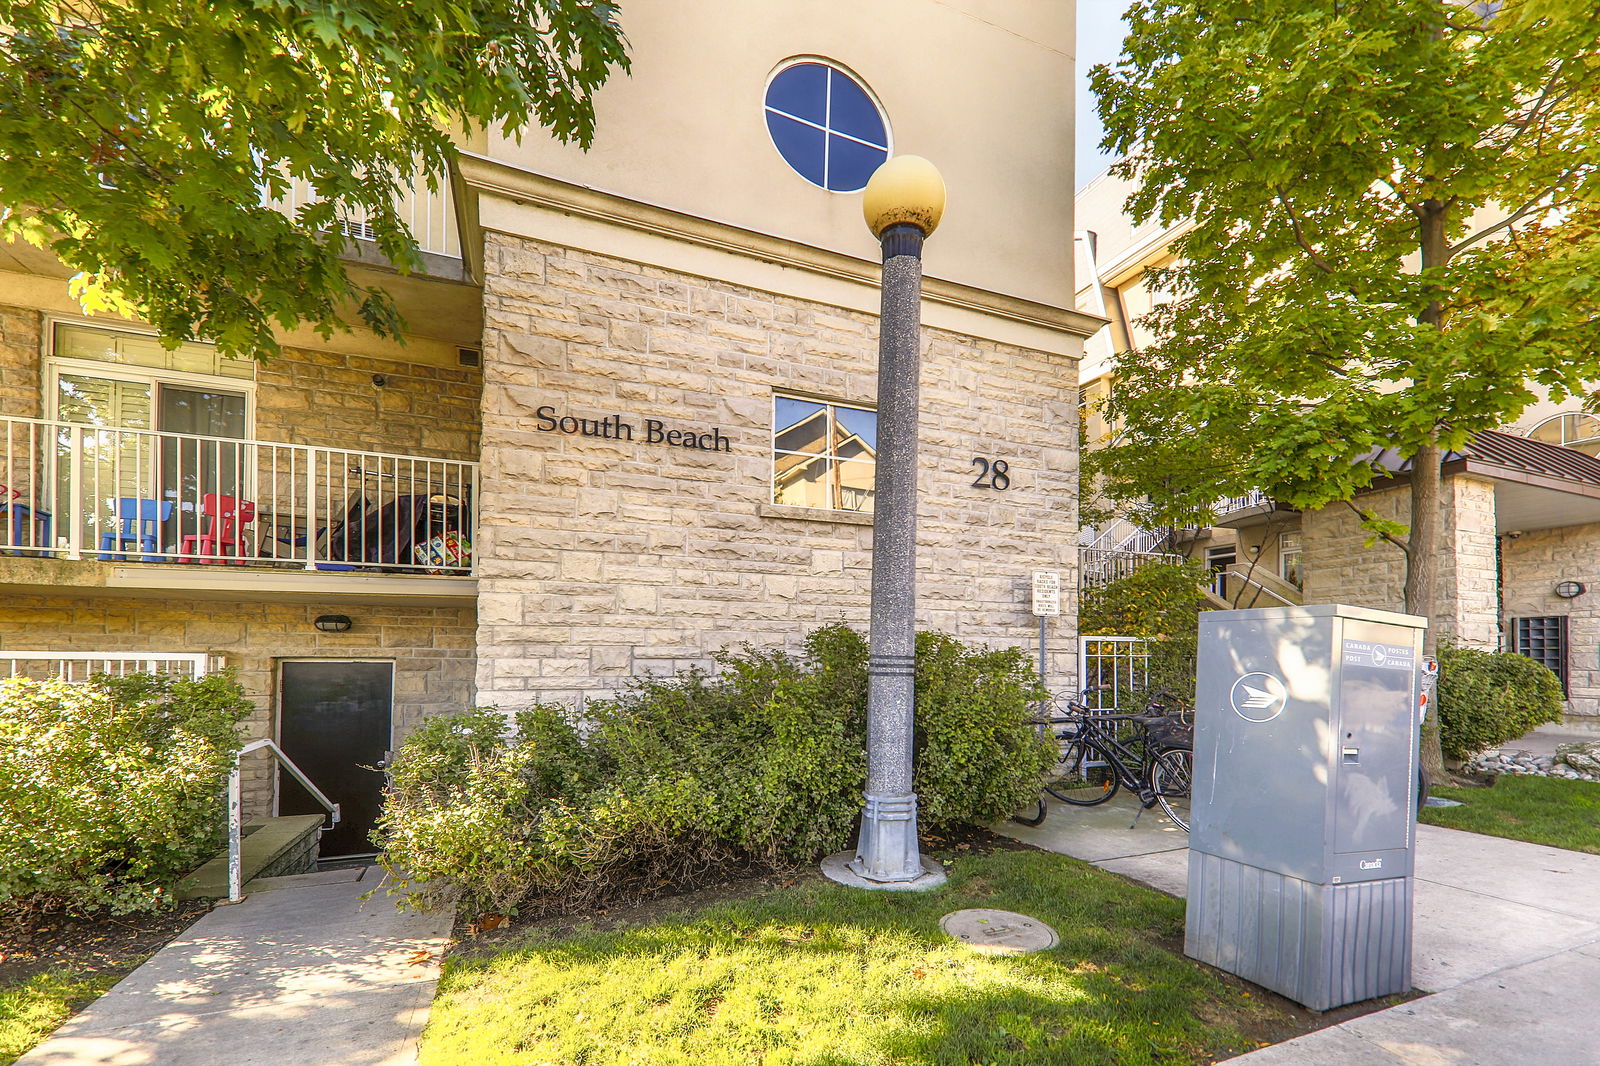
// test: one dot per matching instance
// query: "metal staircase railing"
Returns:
(235, 803)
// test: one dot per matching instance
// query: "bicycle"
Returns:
(1096, 762)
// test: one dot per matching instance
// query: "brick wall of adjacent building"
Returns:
(605, 558)
(1533, 564)
(432, 648)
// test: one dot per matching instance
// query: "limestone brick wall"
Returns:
(603, 558)
(432, 648)
(1533, 563)
(1470, 600)
(1341, 567)
(19, 361)
(329, 399)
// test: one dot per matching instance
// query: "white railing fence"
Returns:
(78, 666)
(75, 491)
(430, 216)
(1113, 671)
(1098, 566)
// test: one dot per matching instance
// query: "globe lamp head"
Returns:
(906, 189)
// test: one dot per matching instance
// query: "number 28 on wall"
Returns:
(992, 473)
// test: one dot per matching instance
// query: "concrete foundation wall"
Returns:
(603, 558)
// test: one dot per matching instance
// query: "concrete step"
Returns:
(276, 845)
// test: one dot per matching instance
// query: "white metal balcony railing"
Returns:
(1101, 566)
(430, 215)
(1229, 504)
(76, 491)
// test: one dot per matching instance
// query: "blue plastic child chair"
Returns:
(139, 523)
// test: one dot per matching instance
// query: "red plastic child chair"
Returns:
(227, 515)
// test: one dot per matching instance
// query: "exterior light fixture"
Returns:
(902, 204)
(333, 623)
(1570, 589)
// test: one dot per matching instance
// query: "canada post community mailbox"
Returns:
(1303, 812)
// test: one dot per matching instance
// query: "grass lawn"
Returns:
(32, 1008)
(823, 975)
(1541, 810)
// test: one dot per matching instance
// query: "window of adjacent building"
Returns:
(1576, 429)
(826, 125)
(823, 454)
(1544, 640)
(1291, 564)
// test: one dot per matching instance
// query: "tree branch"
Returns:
(1516, 216)
(1317, 259)
(1391, 538)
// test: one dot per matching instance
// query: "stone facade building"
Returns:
(631, 423)
(1521, 507)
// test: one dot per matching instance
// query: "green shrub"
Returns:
(1488, 698)
(761, 762)
(111, 790)
(1160, 602)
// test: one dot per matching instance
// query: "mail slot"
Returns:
(1303, 812)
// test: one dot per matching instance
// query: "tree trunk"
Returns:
(1427, 489)
(1422, 576)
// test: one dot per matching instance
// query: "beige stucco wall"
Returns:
(1533, 563)
(604, 558)
(981, 87)
(431, 648)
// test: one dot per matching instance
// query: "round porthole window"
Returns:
(826, 125)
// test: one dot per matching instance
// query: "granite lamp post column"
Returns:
(903, 203)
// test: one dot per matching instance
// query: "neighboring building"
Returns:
(1521, 570)
(633, 423)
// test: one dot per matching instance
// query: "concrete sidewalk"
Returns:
(1506, 934)
(302, 973)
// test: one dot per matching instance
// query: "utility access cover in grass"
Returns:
(820, 973)
(1000, 932)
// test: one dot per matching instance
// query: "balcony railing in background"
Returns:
(1100, 566)
(430, 215)
(80, 491)
(1229, 504)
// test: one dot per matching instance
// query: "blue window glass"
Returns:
(802, 146)
(801, 91)
(825, 125)
(851, 163)
(851, 111)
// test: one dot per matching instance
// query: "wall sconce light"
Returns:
(1254, 550)
(333, 623)
(1570, 589)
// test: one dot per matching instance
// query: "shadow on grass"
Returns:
(823, 975)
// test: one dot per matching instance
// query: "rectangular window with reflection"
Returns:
(1544, 640)
(823, 454)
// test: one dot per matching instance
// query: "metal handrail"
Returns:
(235, 803)
(1248, 580)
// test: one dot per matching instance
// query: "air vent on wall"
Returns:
(469, 356)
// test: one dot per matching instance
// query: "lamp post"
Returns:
(903, 203)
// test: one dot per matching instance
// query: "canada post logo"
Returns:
(1258, 697)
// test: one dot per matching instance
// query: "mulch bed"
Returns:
(99, 945)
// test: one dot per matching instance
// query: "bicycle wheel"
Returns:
(1171, 777)
(1085, 776)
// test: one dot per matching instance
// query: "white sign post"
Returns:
(1046, 604)
(1047, 593)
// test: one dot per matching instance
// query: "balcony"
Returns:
(1253, 508)
(430, 215)
(182, 511)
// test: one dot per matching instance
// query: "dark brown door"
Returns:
(335, 718)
